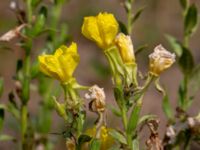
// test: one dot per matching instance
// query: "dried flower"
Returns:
(101, 29)
(62, 64)
(97, 97)
(160, 60)
(125, 46)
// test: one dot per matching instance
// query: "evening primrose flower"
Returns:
(62, 64)
(106, 139)
(160, 60)
(101, 29)
(125, 46)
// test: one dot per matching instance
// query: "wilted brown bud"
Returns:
(160, 60)
(97, 97)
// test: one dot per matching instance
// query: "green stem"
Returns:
(24, 117)
(129, 17)
(124, 116)
(29, 11)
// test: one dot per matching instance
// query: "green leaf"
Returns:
(83, 139)
(167, 107)
(134, 117)
(127, 6)
(191, 20)
(175, 44)
(115, 110)
(34, 69)
(118, 136)
(1, 86)
(137, 14)
(2, 115)
(122, 27)
(194, 82)
(95, 144)
(44, 11)
(136, 145)
(4, 137)
(182, 92)
(184, 4)
(35, 3)
(140, 49)
(145, 118)
(118, 93)
(186, 61)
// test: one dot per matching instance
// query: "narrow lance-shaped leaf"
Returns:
(134, 117)
(118, 136)
(123, 28)
(175, 44)
(95, 144)
(137, 14)
(167, 107)
(191, 20)
(186, 61)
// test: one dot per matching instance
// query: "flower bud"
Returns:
(60, 108)
(125, 46)
(160, 60)
(97, 97)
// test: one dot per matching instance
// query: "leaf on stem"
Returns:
(175, 44)
(137, 14)
(134, 117)
(167, 107)
(95, 144)
(191, 20)
(123, 27)
(118, 136)
(115, 111)
(186, 61)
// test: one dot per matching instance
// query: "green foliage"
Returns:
(186, 61)
(95, 144)
(167, 108)
(191, 20)
(118, 136)
(83, 139)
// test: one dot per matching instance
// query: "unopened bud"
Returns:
(60, 108)
(125, 46)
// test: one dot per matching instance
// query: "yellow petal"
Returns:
(91, 31)
(108, 28)
(50, 66)
(101, 29)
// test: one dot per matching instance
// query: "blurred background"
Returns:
(160, 17)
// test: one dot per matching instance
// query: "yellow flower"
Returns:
(125, 46)
(101, 29)
(106, 139)
(62, 64)
(160, 60)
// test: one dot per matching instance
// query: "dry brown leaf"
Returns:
(8, 36)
